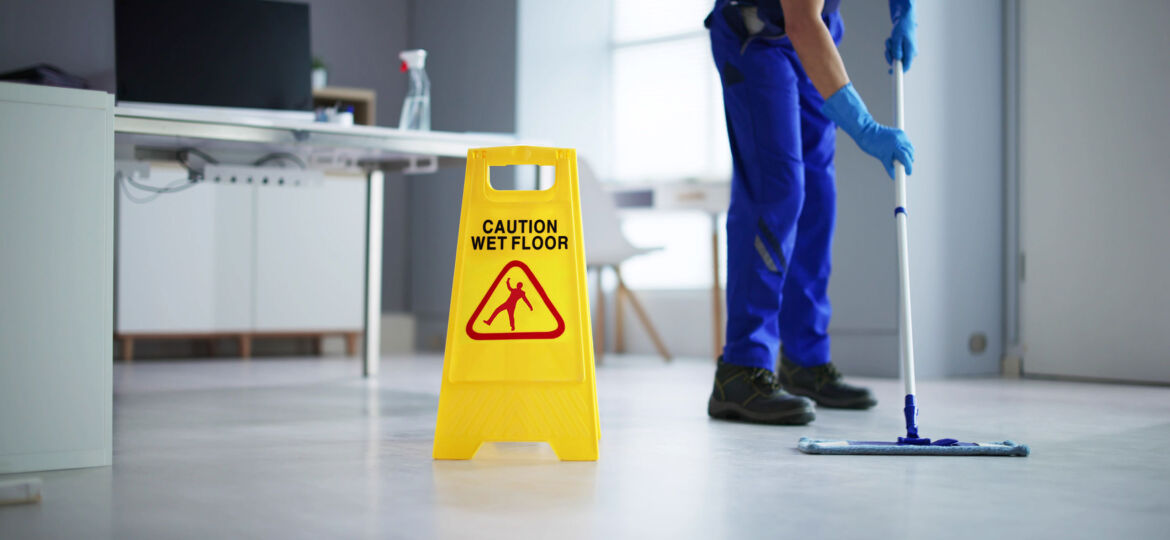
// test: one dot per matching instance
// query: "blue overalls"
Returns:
(783, 199)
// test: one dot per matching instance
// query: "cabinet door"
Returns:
(185, 259)
(310, 255)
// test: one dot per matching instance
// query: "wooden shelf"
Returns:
(363, 101)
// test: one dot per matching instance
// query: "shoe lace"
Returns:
(827, 373)
(766, 379)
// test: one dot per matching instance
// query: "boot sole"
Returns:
(858, 404)
(732, 411)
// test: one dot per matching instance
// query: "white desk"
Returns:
(710, 197)
(376, 149)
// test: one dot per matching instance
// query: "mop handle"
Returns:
(905, 331)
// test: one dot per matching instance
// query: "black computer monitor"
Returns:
(228, 53)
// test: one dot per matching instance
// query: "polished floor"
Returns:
(303, 448)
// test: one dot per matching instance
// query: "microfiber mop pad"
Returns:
(941, 447)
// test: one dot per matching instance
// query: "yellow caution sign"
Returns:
(519, 360)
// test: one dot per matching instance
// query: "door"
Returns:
(1095, 189)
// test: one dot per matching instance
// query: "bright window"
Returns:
(667, 113)
(667, 126)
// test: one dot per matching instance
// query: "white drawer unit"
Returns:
(56, 259)
(225, 258)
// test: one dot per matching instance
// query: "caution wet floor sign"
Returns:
(519, 357)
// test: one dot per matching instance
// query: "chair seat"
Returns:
(610, 255)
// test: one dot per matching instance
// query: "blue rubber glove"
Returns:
(885, 143)
(902, 44)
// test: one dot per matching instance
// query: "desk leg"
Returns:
(371, 342)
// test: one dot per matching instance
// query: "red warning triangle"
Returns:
(507, 333)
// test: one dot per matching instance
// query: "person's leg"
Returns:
(805, 368)
(494, 313)
(761, 105)
(805, 310)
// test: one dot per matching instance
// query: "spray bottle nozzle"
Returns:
(412, 59)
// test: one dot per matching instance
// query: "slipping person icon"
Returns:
(517, 294)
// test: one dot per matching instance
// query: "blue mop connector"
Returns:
(911, 412)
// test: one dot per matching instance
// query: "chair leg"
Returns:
(599, 341)
(619, 321)
(641, 313)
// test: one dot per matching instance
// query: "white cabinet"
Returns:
(56, 277)
(185, 258)
(227, 258)
(310, 254)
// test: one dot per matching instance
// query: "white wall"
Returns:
(562, 76)
(954, 117)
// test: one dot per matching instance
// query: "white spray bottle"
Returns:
(416, 108)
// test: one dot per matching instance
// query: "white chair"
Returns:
(606, 246)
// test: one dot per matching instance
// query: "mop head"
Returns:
(941, 447)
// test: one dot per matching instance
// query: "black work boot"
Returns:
(823, 384)
(753, 395)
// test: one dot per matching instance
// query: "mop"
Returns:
(912, 443)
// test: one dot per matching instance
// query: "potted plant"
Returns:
(320, 75)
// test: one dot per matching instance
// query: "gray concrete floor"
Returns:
(305, 449)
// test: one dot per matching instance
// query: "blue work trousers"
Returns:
(783, 199)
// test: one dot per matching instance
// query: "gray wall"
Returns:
(471, 62)
(358, 39)
(74, 35)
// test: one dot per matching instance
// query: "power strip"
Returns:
(262, 176)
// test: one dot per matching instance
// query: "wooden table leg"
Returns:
(599, 341)
(619, 321)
